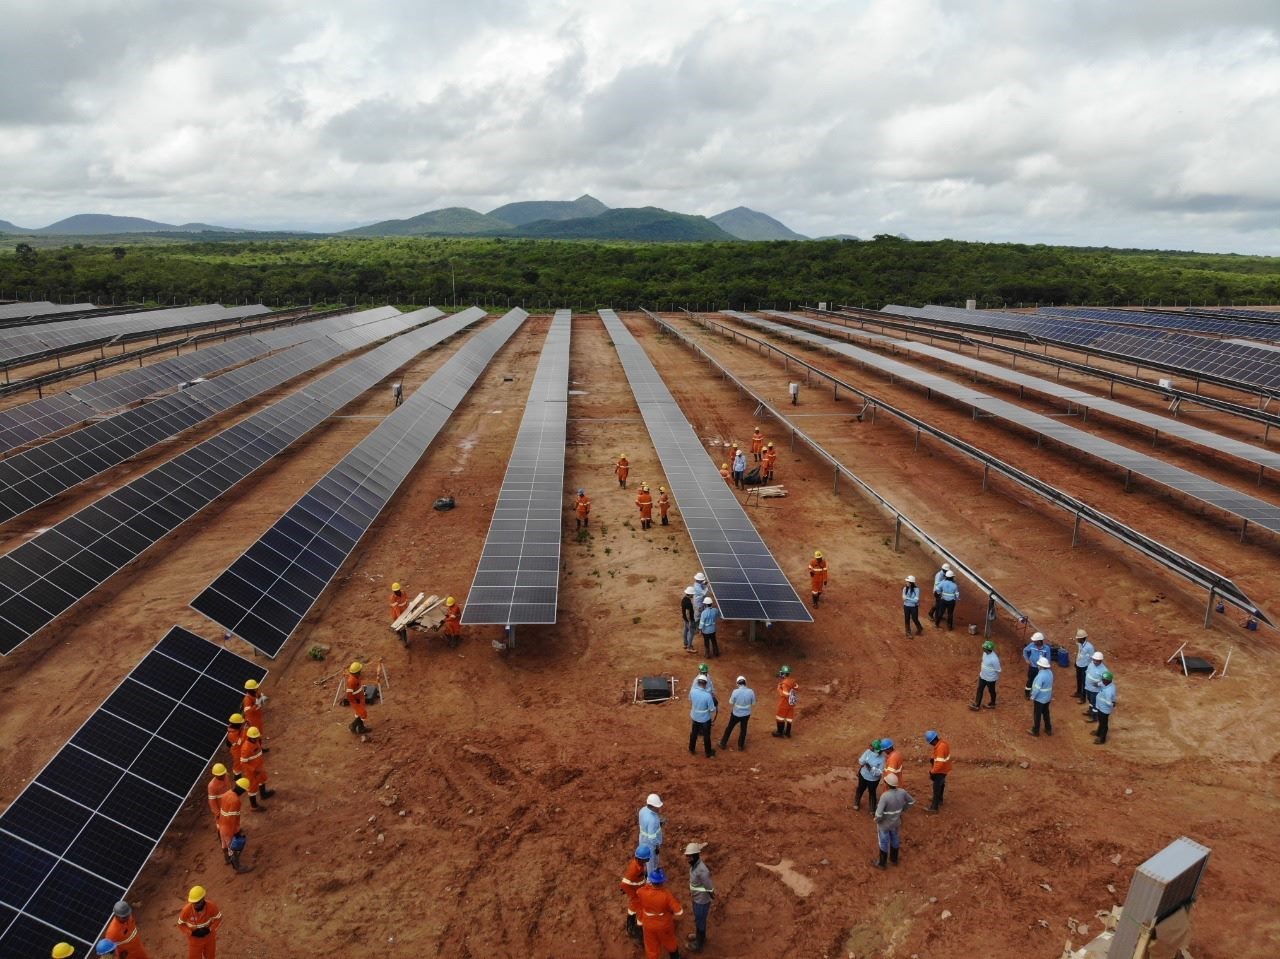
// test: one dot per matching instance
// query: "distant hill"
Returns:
(841, 236)
(7, 227)
(92, 224)
(451, 221)
(747, 224)
(531, 211)
(643, 223)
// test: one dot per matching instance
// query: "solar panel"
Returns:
(75, 839)
(20, 311)
(35, 476)
(89, 547)
(741, 571)
(1191, 322)
(518, 577)
(1249, 508)
(268, 590)
(1070, 394)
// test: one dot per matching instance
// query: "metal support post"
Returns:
(897, 533)
(1075, 532)
(991, 616)
(1208, 610)
(986, 472)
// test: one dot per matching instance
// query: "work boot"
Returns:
(352, 725)
(788, 733)
(253, 801)
(880, 863)
(974, 706)
(777, 734)
(266, 793)
(893, 855)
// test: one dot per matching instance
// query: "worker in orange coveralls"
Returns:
(664, 505)
(725, 474)
(199, 922)
(659, 911)
(818, 576)
(622, 469)
(122, 929)
(355, 698)
(235, 736)
(892, 760)
(786, 713)
(757, 445)
(253, 703)
(644, 502)
(452, 622)
(254, 767)
(399, 603)
(632, 881)
(219, 786)
(229, 819)
(770, 457)
(583, 508)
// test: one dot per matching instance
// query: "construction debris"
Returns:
(419, 615)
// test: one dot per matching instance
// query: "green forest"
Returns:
(541, 274)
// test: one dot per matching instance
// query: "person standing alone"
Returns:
(621, 469)
(786, 713)
(988, 674)
(582, 507)
(701, 891)
(819, 573)
(911, 606)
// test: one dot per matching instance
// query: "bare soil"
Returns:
(493, 808)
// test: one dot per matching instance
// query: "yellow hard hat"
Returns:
(250, 684)
(197, 892)
(644, 486)
(817, 554)
(622, 456)
(63, 950)
(244, 784)
(662, 489)
(219, 769)
(724, 466)
(451, 601)
(395, 587)
(236, 718)
(771, 444)
(355, 667)
(254, 733)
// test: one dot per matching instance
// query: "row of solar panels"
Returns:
(18, 311)
(35, 476)
(46, 575)
(1190, 322)
(268, 590)
(1249, 508)
(28, 422)
(1248, 366)
(742, 573)
(518, 577)
(25, 344)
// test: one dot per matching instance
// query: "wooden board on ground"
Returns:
(418, 613)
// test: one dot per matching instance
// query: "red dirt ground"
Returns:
(493, 808)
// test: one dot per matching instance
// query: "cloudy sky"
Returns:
(1124, 122)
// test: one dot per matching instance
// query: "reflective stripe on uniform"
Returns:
(201, 925)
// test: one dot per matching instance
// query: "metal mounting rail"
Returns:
(994, 597)
(1217, 585)
(1257, 415)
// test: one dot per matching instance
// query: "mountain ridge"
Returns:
(531, 211)
(748, 224)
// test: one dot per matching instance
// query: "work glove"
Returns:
(262, 700)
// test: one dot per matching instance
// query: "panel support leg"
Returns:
(1208, 610)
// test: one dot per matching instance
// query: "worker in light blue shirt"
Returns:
(701, 708)
(743, 701)
(870, 769)
(739, 468)
(948, 593)
(1106, 705)
(1041, 697)
(700, 589)
(911, 606)
(704, 672)
(651, 829)
(988, 673)
(1084, 655)
(1093, 683)
(707, 626)
(938, 577)
(1031, 654)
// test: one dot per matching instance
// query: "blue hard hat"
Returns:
(657, 877)
(886, 744)
(931, 736)
(643, 852)
(105, 947)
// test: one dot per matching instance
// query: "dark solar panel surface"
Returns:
(1188, 322)
(518, 578)
(18, 311)
(1198, 487)
(266, 593)
(41, 578)
(743, 574)
(35, 476)
(75, 839)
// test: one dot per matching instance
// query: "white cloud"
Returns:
(1150, 122)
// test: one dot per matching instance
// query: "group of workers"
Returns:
(734, 469)
(451, 626)
(882, 762)
(704, 707)
(946, 593)
(1095, 684)
(652, 910)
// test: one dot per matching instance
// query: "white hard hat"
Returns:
(891, 780)
(694, 848)
(950, 575)
(701, 679)
(741, 681)
(699, 578)
(708, 601)
(1042, 663)
(946, 565)
(689, 590)
(1037, 637)
(911, 579)
(1097, 657)
(654, 800)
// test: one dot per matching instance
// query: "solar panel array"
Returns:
(23, 424)
(43, 577)
(267, 592)
(518, 578)
(35, 476)
(1249, 508)
(75, 839)
(1244, 366)
(1072, 395)
(1190, 322)
(20, 311)
(742, 573)
(23, 344)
